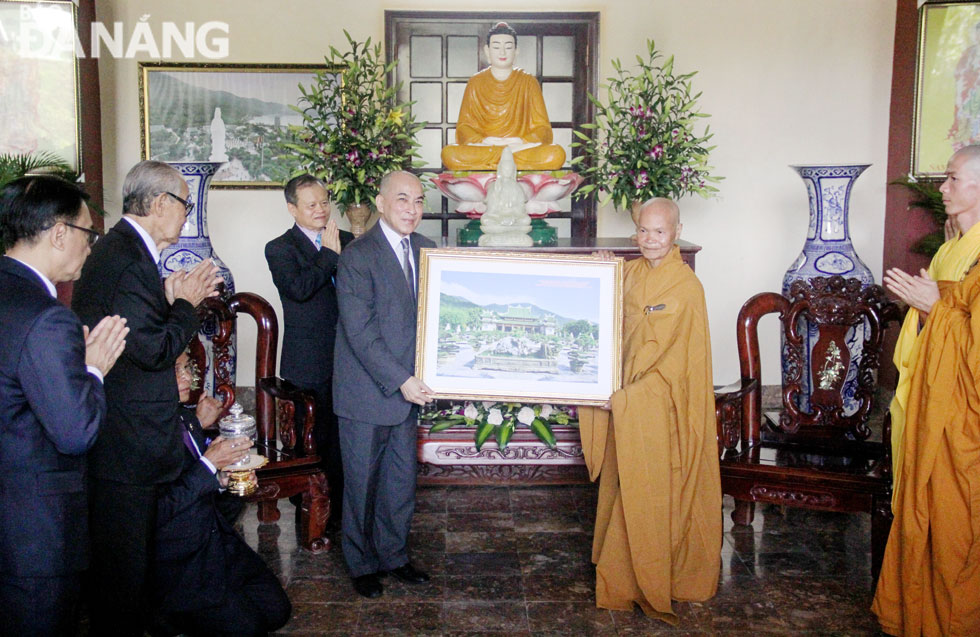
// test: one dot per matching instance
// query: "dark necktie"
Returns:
(407, 265)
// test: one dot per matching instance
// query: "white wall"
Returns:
(786, 82)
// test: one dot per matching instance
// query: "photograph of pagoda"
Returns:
(496, 326)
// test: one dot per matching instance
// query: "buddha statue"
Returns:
(503, 107)
(505, 223)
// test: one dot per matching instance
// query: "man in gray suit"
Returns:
(375, 389)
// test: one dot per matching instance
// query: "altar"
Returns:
(450, 456)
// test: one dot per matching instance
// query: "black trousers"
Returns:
(121, 521)
(38, 606)
(255, 604)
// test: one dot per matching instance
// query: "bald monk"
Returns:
(930, 577)
(658, 525)
(961, 195)
(502, 106)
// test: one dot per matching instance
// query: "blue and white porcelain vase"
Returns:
(828, 251)
(193, 246)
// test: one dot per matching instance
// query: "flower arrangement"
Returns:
(354, 131)
(500, 419)
(642, 143)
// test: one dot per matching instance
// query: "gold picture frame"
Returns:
(517, 326)
(40, 110)
(180, 104)
(947, 86)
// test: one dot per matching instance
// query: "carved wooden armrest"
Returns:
(729, 409)
(289, 396)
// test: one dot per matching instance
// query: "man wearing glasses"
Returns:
(140, 448)
(52, 404)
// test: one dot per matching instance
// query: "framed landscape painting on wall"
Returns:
(233, 113)
(947, 94)
(519, 326)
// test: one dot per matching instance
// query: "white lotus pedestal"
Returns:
(542, 192)
(450, 457)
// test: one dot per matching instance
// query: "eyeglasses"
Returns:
(93, 235)
(188, 205)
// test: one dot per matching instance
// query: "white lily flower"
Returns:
(525, 416)
(471, 411)
(495, 417)
(546, 411)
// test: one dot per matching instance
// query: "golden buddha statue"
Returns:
(503, 107)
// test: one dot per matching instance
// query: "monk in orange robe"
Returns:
(502, 106)
(951, 263)
(658, 526)
(930, 577)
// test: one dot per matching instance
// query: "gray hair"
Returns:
(146, 180)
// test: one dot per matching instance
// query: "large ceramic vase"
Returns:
(828, 251)
(193, 247)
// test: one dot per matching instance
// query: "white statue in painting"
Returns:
(218, 152)
(505, 223)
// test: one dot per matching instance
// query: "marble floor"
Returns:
(515, 561)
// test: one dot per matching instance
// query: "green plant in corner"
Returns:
(643, 141)
(15, 166)
(354, 130)
(926, 195)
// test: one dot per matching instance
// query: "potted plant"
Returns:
(354, 131)
(926, 196)
(643, 141)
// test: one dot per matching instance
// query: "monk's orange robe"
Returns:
(658, 526)
(512, 108)
(930, 577)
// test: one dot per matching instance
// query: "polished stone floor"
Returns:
(516, 561)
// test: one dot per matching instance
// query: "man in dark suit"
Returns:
(140, 447)
(303, 262)
(205, 578)
(376, 391)
(52, 404)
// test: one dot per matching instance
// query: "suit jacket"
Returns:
(50, 412)
(139, 443)
(304, 277)
(193, 542)
(375, 349)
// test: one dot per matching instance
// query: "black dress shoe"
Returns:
(368, 585)
(410, 574)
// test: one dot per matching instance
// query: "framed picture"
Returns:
(39, 106)
(947, 93)
(519, 326)
(233, 113)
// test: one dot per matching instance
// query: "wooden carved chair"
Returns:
(813, 456)
(294, 466)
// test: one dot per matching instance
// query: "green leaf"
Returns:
(504, 434)
(543, 432)
(440, 425)
(482, 433)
